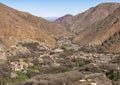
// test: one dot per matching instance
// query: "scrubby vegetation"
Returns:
(19, 77)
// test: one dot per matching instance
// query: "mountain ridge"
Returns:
(19, 24)
(101, 32)
(83, 20)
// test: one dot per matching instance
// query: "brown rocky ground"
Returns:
(34, 63)
(28, 59)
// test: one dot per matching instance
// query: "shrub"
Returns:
(80, 62)
(21, 77)
(113, 75)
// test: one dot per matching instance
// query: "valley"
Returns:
(72, 50)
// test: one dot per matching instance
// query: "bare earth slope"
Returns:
(84, 20)
(104, 34)
(15, 25)
(65, 20)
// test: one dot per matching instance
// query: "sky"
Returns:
(53, 8)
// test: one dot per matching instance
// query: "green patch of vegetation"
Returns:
(69, 69)
(79, 62)
(66, 53)
(51, 53)
(64, 49)
(32, 46)
(56, 71)
(61, 70)
(113, 75)
(20, 77)
(33, 70)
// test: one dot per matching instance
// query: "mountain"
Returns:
(104, 34)
(27, 56)
(16, 25)
(83, 20)
(65, 20)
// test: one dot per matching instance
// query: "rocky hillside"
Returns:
(84, 20)
(65, 20)
(26, 56)
(104, 33)
(16, 25)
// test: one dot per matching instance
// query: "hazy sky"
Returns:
(53, 8)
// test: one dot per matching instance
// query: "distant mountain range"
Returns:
(50, 18)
